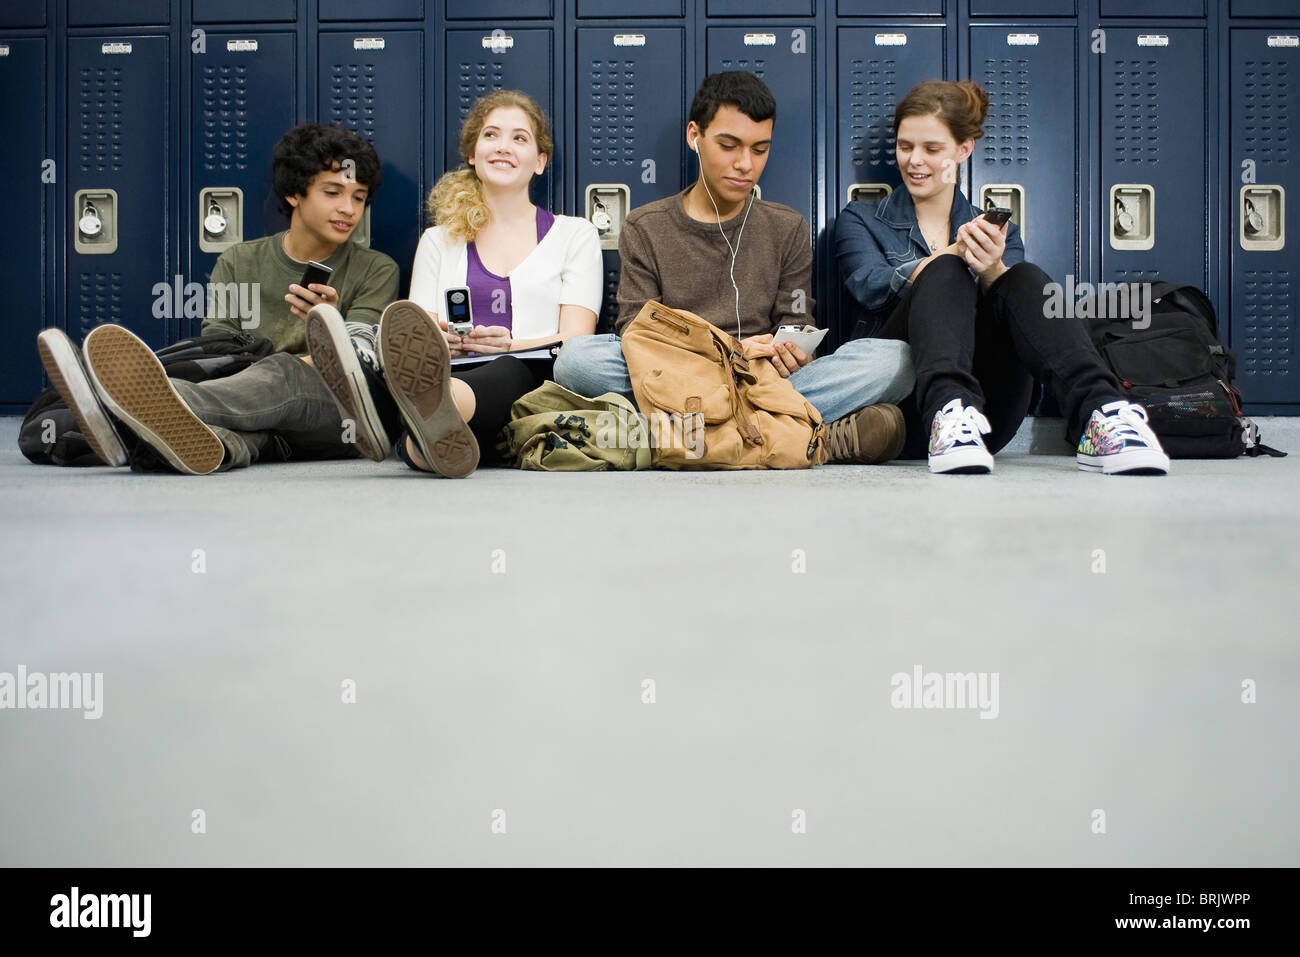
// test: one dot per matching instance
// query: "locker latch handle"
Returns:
(1263, 218)
(1132, 216)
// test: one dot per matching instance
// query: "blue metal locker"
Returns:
(482, 60)
(23, 246)
(372, 10)
(245, 11)
(1023, 8)
(23, 15)
(890, 8)
(632, 111)
(875, 69)
(1153, 8)
(498, 9)
(1264, 8)
(371, 82)
(1264, 320)
(1153, 202)
(625, 9)
(760, 8)
(97, 13)
(243, 101)
(785, 58)
(631, 133)
(119, 136)
(1029, 153)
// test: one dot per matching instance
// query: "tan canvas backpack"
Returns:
(710, 406)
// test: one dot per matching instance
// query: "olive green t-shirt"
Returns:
(366, 281)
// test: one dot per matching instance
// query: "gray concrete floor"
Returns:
(520, 690)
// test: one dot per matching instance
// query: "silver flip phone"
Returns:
(460, 316)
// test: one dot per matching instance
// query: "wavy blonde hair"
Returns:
(457, 200)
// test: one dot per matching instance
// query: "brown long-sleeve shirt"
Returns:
(685, 264)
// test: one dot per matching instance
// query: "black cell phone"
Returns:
(997, 215)
(460, 314)
(315, 272)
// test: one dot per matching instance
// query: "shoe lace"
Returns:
(1127, 421)
(965, 426)
(842, 439)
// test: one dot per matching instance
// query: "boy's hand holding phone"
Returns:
(302, 297)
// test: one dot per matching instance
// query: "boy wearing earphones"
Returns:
(745, 265)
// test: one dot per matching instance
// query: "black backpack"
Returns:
(1177, 369)
(196, 359)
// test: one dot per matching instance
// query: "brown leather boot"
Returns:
(868, 436)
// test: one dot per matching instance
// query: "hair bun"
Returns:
(977, 100)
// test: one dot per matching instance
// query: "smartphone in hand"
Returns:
(996, 214)
(315, 272)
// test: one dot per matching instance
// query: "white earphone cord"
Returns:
(734, 250)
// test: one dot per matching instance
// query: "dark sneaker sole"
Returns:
(62, 362)
(417, 365)
(134, 386)
(336, 360)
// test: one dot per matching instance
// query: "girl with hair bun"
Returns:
(930, 269)
(534, 278)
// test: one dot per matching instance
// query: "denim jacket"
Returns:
(879, 244)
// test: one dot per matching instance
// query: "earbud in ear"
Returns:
(695, 146)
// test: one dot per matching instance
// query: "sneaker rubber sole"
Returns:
(62, 361)
(417, 365)
(1130, 462)
(134, 386)
(967, 461)
(335, 358)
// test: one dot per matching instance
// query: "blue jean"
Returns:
(858, 373)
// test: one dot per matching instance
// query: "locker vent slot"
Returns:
(1006, 134)
(477, 80)
(755, 66)
(225, 117)
(352, 97)
(874, 86)
(1267, 348)
(1267, 93)
(1137, 275)
(100, 116)
(99, 299)
(613, 110)
(1137, 114)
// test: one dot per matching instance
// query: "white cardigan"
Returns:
(565, 268)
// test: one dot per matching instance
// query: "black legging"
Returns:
(496, 384)
(987, 348)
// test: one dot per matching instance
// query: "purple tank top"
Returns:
(489, 294)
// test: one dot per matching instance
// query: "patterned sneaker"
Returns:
(1118, 441)
(134, 386)
(67, 371)
(955, 443)
(344, 355)
(868, 436)
(417, 365)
